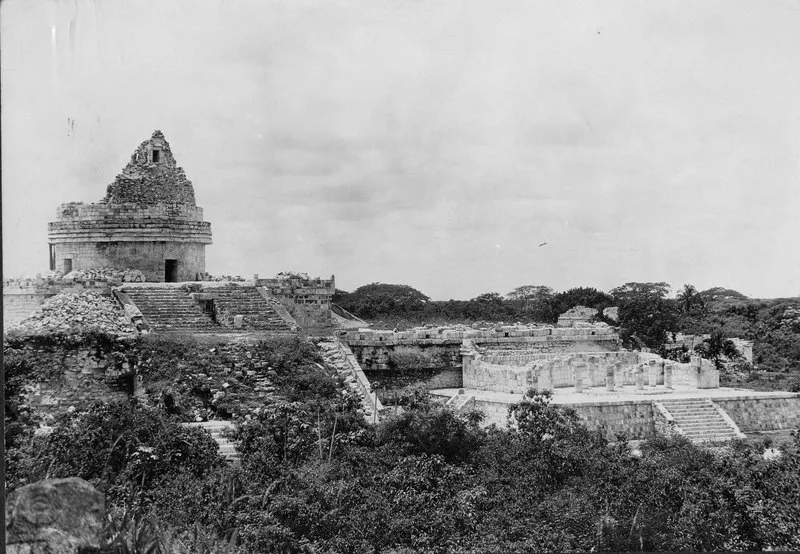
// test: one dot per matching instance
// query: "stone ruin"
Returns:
(148, 221)
(516, 371)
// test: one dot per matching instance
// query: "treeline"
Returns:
(649, 316)
(394, 303)
(314, 477)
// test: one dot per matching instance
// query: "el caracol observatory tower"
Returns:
(148, 221)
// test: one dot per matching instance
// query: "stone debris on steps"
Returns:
(107, 274)
(171, 309)
(699, 420)
(217, 429)
(85, 311)
(247, 301)
(334, 358)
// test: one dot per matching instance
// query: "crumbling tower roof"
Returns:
(151, 177)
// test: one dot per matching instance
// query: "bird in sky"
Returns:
(543, 244)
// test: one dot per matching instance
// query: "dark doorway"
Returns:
(170, 271)
(67, 265)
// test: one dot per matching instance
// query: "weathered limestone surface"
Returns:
(763, 414)
(373, 348)
(135, 183)
(308, 301)
(147, 217)
(54, 516)
(66, 375)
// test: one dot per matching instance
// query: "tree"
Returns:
(646, 316)
(533, 302)
(378, 298)
(721, 293)
(531, 293)
(579, 296)
(718, 348)
(689, 299)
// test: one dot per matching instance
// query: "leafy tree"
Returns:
(721, 293)
(717, 348)
(580, 296)
(689, 299)
(374, 299)
(535, 293)
(646, 316)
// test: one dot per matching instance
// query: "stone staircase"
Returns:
(216, 428)
(257, 312)
(700, 420)
(333, 357)
(168, 309)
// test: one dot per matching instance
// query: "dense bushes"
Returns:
(315, 477)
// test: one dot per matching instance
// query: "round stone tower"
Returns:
(148, 221)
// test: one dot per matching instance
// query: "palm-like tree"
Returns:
(688, 298)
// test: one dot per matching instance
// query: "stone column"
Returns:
(652, 373)
(668, 375)
(694, 371)
(610, 378)
(580, 375)
(639, 377)
(545, 380)
(619, 375)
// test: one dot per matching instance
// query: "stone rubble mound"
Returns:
(85, 311)
(107, 274)
(235, 278)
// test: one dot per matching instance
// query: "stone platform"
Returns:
(645, 414)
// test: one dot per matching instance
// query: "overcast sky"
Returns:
(430, 143)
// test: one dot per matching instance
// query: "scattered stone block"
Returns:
(54, 516)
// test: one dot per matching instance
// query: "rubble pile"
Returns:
(235, 278)
(107, 274)
(85, 311)
(145, 181)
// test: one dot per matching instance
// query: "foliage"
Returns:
(377, 298)
(114, 446)
(718, 349)
(646, 316)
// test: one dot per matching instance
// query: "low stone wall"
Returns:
(635, 419)
(755, 413)
(17, 307)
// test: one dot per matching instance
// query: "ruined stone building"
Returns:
(148, 220)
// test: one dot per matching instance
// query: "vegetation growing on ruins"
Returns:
(648, 318)
(315, 477)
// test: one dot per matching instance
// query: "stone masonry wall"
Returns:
(72, 375)
(308, 301)
(633, 418)
(148, 257)
(754, 413)
(17, 307)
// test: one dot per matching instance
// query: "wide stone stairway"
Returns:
(171, 309)
(700, 420)
(246, 301)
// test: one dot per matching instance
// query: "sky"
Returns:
(434, 143)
